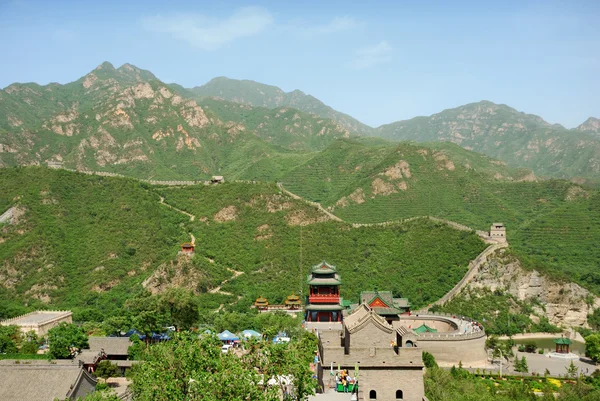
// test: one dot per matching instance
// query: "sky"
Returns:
(378, 61)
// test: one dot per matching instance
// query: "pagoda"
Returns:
(323, 301)
(293, 302)
(261, 303)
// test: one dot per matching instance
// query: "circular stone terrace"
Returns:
(440, 325)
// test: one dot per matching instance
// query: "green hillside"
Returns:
(260, 95)
(501, 132)
(553, 224)
(126, 121)
(89, 243)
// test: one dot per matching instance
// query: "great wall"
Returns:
(474, 265)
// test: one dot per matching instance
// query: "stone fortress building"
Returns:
(40, 321)
(381, 340)
(366, 347)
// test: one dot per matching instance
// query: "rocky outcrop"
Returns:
(565, 304)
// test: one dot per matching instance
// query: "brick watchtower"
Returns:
(323, 304)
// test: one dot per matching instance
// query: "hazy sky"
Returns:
(377, 61)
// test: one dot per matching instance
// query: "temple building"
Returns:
(323, 303)
(384, 304)
(43, 381)
(293, 302)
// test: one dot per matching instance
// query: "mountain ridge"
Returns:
(32, 115)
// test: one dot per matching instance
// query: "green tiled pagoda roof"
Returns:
(324, 281)
(424, 329)
(562, 341)
(320, 307)
(323, 268)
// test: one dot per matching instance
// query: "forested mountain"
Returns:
(90, 243)
(256, 94)
(124, 120)
(499, 131)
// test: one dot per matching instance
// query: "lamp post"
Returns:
(500, 351)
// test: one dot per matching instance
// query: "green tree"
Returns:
(30, 343)
(116, 324)
(192, 368)
(106, 369)
(592, 347)
(181, 308)
(9, 337)
(572, 370)
(521, 365)
(429, 360)
(66, 339)
(148, 315)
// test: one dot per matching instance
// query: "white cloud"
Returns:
(372, 55)
(337, 24)
(210, 33)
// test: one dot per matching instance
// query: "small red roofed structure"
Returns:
(187, 248)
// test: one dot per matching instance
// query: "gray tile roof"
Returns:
(110, 345)
(39, 382)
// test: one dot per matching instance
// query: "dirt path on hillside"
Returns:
(315, 204)
(162, 202)
(217, 290)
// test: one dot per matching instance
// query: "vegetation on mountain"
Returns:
(90, 243)
(274, 240)
(253, 93)
(499, 313)
(499, 131)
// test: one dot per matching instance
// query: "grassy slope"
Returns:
(554, 225)
(385, 258)
(87, 243)
(81, 232)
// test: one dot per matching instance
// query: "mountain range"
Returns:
(82, 239)
(126, 120)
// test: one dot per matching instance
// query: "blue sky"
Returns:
(377, 61)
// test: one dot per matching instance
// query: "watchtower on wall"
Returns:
(324, 302)
(498, 232)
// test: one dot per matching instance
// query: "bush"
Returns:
(429, 360)
(530, 346)
(107, 369)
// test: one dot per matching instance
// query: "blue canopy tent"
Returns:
(248, 334)
(281, 337)
(228, 337)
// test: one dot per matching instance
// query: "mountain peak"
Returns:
(105, 66)
(591, 125)
(125, 74)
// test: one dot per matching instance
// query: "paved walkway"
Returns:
(330, 396)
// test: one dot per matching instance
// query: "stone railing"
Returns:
(63, 314)
(450, 336)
